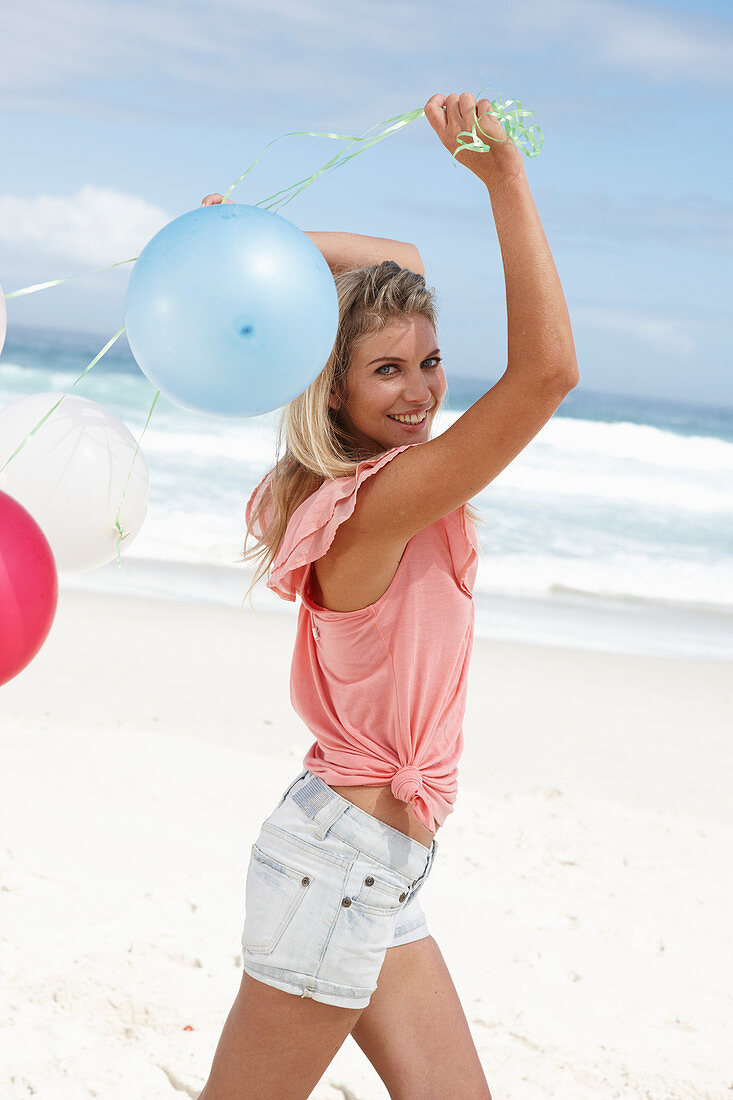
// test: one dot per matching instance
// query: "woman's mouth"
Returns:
(410, 421)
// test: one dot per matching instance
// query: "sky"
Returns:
(117, 116)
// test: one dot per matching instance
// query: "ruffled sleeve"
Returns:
(313, 525)
(262, 490)
(463, 546)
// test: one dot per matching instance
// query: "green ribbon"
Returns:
(40, 423)
(55, 282)
(528, 139)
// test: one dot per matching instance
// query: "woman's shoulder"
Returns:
(313, 525)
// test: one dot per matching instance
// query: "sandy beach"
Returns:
(581, 894)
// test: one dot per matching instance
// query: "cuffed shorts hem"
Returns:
(303, 985)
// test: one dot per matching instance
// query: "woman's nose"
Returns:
(416, 390)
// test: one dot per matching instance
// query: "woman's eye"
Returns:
(385, 366)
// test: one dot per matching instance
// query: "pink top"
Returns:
(383, 689)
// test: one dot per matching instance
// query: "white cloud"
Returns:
(666, 335)
(94, 226)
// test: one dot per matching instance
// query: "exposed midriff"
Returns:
(382, 804)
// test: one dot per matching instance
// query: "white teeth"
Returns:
(413, 418)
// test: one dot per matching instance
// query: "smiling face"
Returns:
(394, 372)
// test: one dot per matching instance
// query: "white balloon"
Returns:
(71, 476)
(3, 319)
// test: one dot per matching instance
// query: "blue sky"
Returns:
(118, 115)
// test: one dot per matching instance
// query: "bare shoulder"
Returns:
(358, 567)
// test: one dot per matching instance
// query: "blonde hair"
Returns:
(317, 446)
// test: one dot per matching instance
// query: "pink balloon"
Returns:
(28, 588)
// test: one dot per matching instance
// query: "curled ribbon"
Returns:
(528, 139)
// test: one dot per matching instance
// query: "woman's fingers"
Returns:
(212, 200)
(453, 111)
(435, 113)
(450, 115)
(461, 114)
(484, 114)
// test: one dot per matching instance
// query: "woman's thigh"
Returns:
(275, 1046)
(325, 899)
(414, 1030)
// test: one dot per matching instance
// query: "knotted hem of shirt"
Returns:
(407, 785)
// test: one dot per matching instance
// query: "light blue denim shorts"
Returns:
(329, 889)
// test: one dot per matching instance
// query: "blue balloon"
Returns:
(231, 310)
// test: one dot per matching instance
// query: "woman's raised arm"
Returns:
(428, 481)
(345, 250)
(342, 251)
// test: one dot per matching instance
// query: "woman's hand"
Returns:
(451, 115)
(212, 200)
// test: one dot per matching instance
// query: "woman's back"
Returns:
(382, 687)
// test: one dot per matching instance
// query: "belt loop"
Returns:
(327, 817)
(319, 803)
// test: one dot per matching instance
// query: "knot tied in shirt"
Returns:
(407, 785)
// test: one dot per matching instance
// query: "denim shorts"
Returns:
(329, 888)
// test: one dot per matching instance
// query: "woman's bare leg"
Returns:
(275, 1045)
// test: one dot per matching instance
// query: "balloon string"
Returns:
(398, 122)
(123, 534)
(55, 282)
(528, 139)
(41, 422)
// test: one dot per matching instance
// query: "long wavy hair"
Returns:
(316, 444)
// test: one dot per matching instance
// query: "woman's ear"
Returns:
(336, 397)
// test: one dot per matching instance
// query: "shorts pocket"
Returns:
(273, 893)
(357, 948)
(381, 891)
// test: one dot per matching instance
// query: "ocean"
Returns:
(612, 530)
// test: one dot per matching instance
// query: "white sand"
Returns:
(590, 849)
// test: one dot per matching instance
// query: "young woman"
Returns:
(365, 518)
